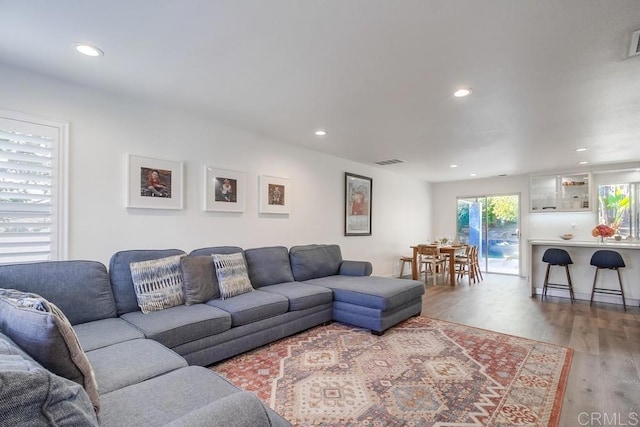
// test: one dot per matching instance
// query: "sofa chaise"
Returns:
(148, 368)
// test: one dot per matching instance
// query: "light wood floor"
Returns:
(604, 381)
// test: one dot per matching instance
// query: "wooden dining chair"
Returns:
(468, 265)
(476, 265)
(430, 258)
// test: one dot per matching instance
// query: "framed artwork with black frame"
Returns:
(357, 205)
(154, 183)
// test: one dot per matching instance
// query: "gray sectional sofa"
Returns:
(149, 368)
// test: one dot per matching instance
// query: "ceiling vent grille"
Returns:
(389, 162)
(634, 49)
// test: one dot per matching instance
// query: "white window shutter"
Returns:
(32, 189)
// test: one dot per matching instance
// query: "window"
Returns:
(32, 189)
(613, 206)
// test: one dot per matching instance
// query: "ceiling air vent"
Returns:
(634, 49)
(389, 162)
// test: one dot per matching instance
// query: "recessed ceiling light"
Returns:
(462, 92)
(320, 132)
(581, 149)
(453, 166)
(87, 49)
(584, 162)
(473, 174)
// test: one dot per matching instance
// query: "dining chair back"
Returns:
(468, 265)
(430, 258)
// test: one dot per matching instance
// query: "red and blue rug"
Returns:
(422, 372)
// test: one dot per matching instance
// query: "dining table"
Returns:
(449, 250)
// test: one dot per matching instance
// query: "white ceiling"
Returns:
(548, 76)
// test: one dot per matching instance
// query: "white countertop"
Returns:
(609, 243)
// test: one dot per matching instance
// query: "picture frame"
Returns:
(224, 190)
(154, 183)
(358, 192)
(275, 195)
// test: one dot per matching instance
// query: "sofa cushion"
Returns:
(67, 284)
(43, 331)
(158, 283)
(268, 266)
(198, 279)
(231, 271)
(101, 333)
(164, 399)
(237, 409)
(301, 295)
(33, 396)
(313, 261)
(120, 275)
(382, 293)
(121, 365)
(252, 306)
(222, 250)
(181, 324)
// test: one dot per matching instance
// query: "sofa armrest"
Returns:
(356, 268)
(235, 410)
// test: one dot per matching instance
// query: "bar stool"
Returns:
(561, 258)
(404, 260)
(611, 260)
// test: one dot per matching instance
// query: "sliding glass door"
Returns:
(492, 224)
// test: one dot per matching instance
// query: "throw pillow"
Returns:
(158, 283)
(44, 333)
(199, 279)
(232, 275)
(31, 395)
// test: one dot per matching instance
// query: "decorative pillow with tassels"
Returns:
(231, 271)
(158, 283)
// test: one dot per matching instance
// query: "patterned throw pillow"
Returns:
(232, 275)
(158, 283)
(42, 330)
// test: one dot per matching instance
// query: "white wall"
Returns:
(104, 128)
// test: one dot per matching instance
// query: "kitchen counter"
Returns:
(582, 272)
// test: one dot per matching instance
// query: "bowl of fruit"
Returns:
(567, 236)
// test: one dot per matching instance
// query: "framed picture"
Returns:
(223, 190)
(357, 206)
(275, 195)
(154, 183)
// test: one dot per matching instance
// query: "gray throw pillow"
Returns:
(32, 396)
(45, 334)
(231, 271)
(158, 283)
(200, 284)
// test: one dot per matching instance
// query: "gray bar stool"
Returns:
(611, 260)
(561, 258)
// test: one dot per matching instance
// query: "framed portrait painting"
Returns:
(357, 206)
(275, 195)
(154, 183)
(224, 190)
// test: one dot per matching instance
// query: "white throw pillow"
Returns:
(232, 275)
(158, 283)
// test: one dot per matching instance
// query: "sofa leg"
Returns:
(377, 333)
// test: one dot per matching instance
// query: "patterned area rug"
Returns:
(423, 372)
